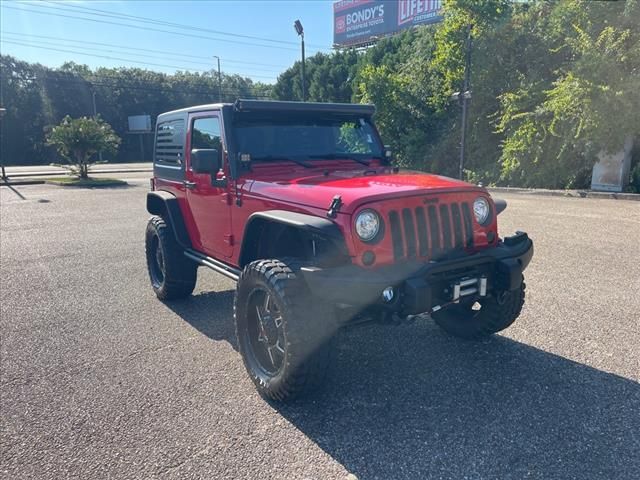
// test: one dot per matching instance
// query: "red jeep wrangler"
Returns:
(299, 204)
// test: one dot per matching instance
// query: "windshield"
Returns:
(312, 139)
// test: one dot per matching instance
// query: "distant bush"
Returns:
(78, 140)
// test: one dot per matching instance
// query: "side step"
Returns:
(226, 270)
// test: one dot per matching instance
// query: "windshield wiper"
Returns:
(336, 156)
(282, 158)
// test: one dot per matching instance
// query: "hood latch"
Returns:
(335, 205)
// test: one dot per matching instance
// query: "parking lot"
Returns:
(101, 380)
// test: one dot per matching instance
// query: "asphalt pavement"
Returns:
(99, 379)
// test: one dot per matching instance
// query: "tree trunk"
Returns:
(83, 168)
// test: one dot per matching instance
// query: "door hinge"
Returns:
(228, 239)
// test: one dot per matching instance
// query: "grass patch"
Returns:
(86, 182)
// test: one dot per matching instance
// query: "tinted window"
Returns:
(170, 142)
(206, 133)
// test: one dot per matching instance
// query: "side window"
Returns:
(206, 133)
(170, 142)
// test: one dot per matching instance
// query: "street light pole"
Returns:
(300, 31)
(219, 80)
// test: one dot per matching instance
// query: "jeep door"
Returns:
(207, 194)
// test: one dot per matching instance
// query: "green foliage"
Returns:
(328, 78)
(586, 101)
(78, 140)
(36, 96)
(553, 84)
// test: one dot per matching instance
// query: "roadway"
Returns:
(101, 380)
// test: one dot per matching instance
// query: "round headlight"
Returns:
(367, 225)
(482, 210)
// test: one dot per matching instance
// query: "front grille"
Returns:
(430, 232)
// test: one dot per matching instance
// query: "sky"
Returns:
(90, 31)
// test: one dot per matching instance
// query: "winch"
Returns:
(469, 286)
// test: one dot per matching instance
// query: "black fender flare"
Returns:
(166, 205)
(309, 224)
(500, 204)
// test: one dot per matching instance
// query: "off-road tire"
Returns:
(497, 312)
(306, 329)
(172, 275)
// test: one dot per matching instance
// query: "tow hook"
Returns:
(335, 205)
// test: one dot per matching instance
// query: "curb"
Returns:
(11, 183)
(93, 172)
(109, 184)
(567, 193)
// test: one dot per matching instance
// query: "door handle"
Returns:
(189, 185)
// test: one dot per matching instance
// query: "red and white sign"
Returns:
(417, 10)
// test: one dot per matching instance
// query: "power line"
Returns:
(139, 27)
(37, 43)
(153, 21)
(177, 54)
(119, 58)
(101, 50)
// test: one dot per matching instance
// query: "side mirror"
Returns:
(206, 160)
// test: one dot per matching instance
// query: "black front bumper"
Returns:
(421, 286)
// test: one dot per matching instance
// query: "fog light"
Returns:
(388, 294)
(368, 258)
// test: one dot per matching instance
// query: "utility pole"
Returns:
(2, 112)
(219, 80)
(464, 97)
(95, 115)
(4, 174)
(300, 31)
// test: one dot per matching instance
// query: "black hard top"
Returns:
(244, 105)
(280, 106)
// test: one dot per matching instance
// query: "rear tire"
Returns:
(283, 334)
(172, 274)
(496, 313)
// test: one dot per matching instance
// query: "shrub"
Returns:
(79, 139)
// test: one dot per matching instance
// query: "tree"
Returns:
(36, 96)
(555, 124)
(79, 139)
(329, 78)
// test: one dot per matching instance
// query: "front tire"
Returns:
(172, 274)
(283, 334)
(495, 313)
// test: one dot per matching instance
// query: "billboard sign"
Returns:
(140, 123)
(356, 22)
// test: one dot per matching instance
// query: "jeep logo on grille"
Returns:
(430, 200)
